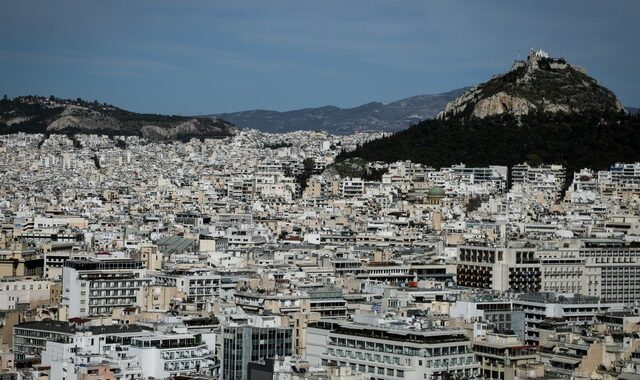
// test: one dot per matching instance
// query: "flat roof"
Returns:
(68, 328)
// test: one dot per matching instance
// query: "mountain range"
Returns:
(374, 116)
(540, 84)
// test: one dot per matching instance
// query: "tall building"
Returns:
(244, 344)
(606, 269)
(499, 268)
(96, 286)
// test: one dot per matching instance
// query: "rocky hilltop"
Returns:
(34, 114)
(538, 84)
(374, 116)
(543, 110)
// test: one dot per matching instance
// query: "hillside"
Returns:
(574, 140)
(52, 115)
(586, 127)
(375, 116)
(538, 84)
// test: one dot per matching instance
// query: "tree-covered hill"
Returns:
(576, 140)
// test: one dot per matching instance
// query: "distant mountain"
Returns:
(543, 110)
(633, 110)
(34, 114)
(375, 116)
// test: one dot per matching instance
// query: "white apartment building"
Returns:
(543, 177)
(23, 290)
(607, 269)
(575, 308)
(96, 286)
(169, 355)
(392, 351)
(353, 187)
(496, 175)
(200, 286)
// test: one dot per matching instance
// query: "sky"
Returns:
(212, 56)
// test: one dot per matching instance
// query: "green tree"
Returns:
(308, 164)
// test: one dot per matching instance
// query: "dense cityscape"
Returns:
(123, 258)
(319, 190)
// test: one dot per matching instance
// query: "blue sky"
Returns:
(196, 57)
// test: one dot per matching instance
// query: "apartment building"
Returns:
(20, 262)
(353, 187)
(542, 177)
(96, 286)
(293, 307)
(495, 175)
(200, 286)
(574, 308)
(30, 338)
(499, 268)
(392, 351)
(500, 354)
(328, 302)
(55, 254)
(498, 313)
(164, 356)
(244, 344)
(607, 269)
(30, 291)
